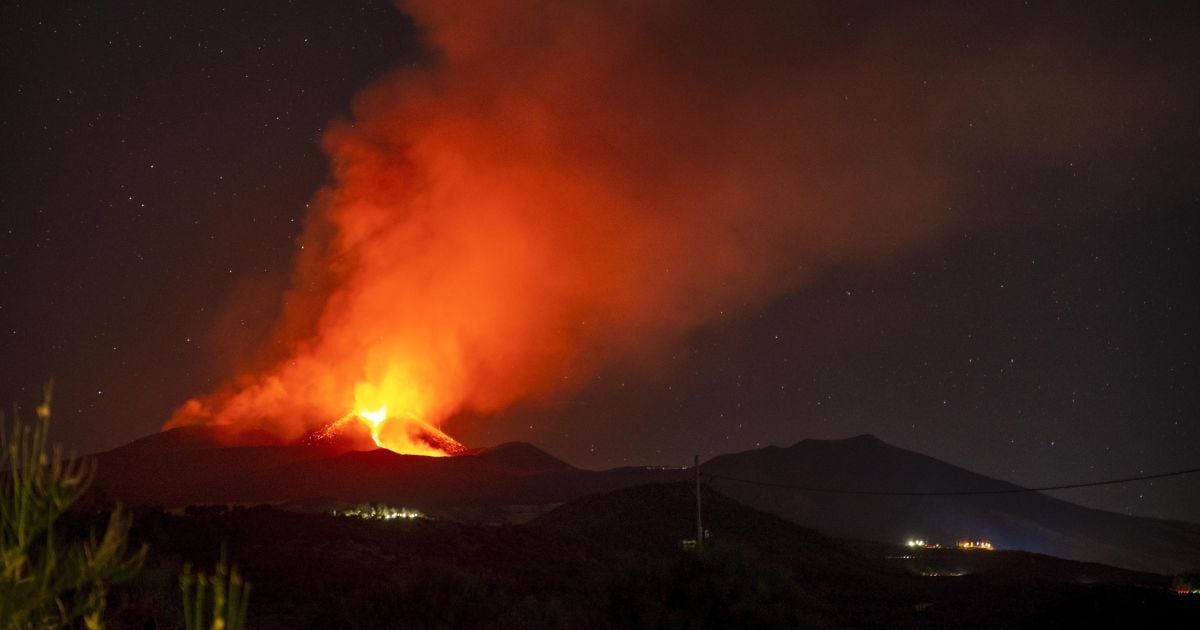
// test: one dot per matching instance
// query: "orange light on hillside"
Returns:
(403, 431)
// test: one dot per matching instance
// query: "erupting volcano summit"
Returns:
(407, 435)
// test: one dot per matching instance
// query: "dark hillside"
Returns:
(612, 561)
(1028, 521)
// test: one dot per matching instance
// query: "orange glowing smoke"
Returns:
(571, 184)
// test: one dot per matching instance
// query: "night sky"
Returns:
(162, 156)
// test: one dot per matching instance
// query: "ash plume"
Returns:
(564, 185)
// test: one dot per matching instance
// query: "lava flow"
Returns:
(400, 431)
(407, 436)
(403, 433)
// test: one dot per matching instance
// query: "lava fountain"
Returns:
(402, 432)
(405, 434)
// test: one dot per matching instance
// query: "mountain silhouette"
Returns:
(199, 465)
(1029, 521)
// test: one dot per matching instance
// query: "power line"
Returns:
(888, 493)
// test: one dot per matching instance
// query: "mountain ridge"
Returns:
(1029, 521)
(193, 466)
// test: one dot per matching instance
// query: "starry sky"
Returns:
(162, 157)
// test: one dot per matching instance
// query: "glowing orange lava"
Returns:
(373, 418)
(405, 432)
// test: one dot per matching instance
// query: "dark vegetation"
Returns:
(614, 560)
(49, 577)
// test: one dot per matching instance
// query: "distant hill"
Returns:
(197, 465)
(193, 465)
(1028, 521)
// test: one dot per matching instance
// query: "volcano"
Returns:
(352, 433)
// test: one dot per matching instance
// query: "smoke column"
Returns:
(564, 185)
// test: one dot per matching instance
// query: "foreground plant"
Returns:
(230, 598)
(45, 582)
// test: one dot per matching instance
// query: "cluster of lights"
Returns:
(917, 543)
(379, 513)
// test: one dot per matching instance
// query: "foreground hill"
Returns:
(612, 560)
(659, 516)
(196, 465)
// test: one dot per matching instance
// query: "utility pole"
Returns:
(699, 523)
